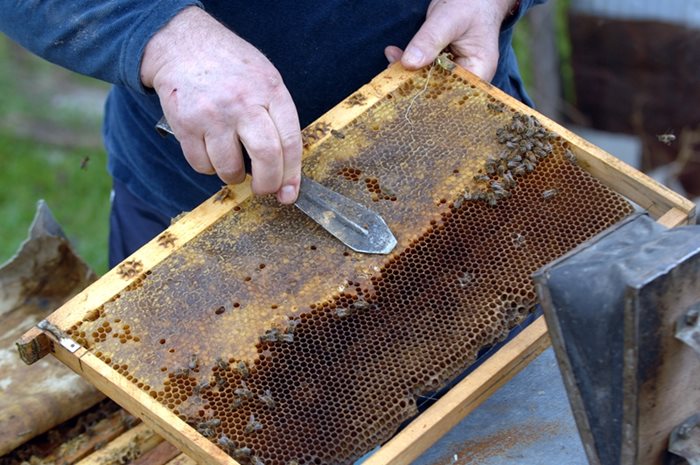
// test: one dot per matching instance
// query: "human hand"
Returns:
(469, 27)
(218, 91)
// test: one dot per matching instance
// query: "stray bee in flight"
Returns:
(666, 138)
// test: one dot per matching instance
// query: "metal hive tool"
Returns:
(277, 343)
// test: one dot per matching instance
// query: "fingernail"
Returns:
(288, 194)
(412, 56)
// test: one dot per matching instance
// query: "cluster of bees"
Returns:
(525, 142)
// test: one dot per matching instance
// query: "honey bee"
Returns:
(497, 186)
(235, 404)
(517, 125)
(242, 453)
(490, 165)
(529, 166)
(481, 178)
(360, 304)
(206, 432)
(342, 312)
(242, 369)
(549, 194)
(292, 325)
(220, 380)
(491, 199)
(519, 170)
(458, 203)
(524, 146)
(221, 363)
(666, 138)
(271, 335)
(193, 363)
(286, 337)
(569, 155)
(464, 279)
(508, 179)
(255, 460)
(479, 195)
(182, 373)
(226, 443)
(444, 62)
(292, 462)
(213, 423)
(337, 134)
(495, 107)
(243, 391)
(266, 398)
(253, 425)
(201, 387)
(84, 163)
(519, 240)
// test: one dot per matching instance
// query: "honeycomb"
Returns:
(282, 346)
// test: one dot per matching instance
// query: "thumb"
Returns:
(432, 37)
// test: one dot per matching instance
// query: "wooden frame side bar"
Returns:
(164, 422)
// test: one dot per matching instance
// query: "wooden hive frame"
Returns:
(669, 208)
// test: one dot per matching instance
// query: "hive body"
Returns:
(275, 341)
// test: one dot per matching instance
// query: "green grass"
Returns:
(49, 123)
(79, 198)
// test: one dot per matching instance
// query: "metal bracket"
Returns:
(688, 327)
(685, 440)
(67, 343)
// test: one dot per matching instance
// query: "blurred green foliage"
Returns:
(527, 58)
(50, 148)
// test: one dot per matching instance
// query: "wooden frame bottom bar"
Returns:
(466, 396)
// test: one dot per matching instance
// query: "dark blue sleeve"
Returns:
(104, 39)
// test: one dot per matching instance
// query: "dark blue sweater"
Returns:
(324, 51)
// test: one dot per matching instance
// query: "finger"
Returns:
(436, 33)
(260, 137)
(284, 116)
(225, 155)
(393, 54)
(196, 154)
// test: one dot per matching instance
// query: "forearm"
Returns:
(102, 39)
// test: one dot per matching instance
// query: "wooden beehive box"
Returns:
(246, 322)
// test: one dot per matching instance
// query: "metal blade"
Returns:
(353, 224)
